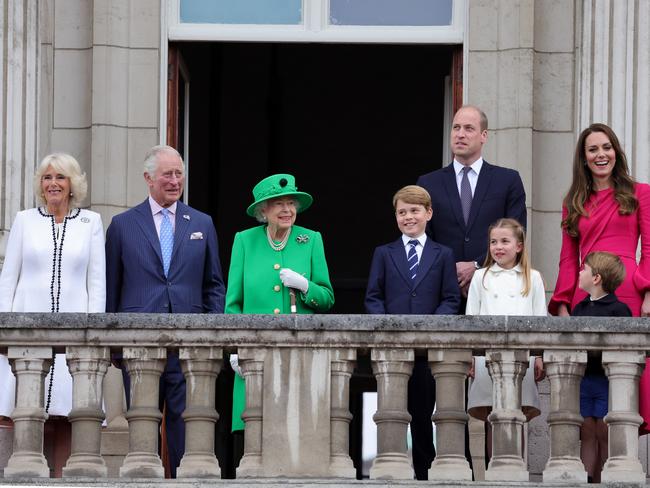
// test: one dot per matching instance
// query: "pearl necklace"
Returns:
(280, 245)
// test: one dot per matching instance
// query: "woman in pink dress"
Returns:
(606, 210)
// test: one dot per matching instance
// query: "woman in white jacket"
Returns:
(55, 262)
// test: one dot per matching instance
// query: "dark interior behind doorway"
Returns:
(353, 123)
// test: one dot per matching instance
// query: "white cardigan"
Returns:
(26, 279)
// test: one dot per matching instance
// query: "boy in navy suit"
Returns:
(601, 275)
(415, 275)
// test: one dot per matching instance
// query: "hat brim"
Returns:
(304, 201)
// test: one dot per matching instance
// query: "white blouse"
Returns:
(39, 276)
(500, 294)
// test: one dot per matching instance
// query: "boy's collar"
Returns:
(421, 239)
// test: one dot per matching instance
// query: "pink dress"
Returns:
(606, 230)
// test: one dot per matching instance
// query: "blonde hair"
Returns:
(69, 167)
(522, 256)
(414, 195)
(610, 268)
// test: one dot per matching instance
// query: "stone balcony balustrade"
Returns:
(297, 371)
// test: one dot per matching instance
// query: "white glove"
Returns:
(291, 279)
(234, 364)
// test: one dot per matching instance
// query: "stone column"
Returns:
(392, 368)
(564, 370)
(144, 365)
(251, 361)
(115, 436)
(507, 369)
(342, 364)
(623, 369)
(30, 365)
(449, 368)
(87, 366)
(200, 365)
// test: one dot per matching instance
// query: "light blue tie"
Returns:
(412, 258)
(166, 240)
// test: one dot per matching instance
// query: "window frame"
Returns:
(316, 28)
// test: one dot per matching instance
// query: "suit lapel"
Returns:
(452, 194)
(429, 256)
(180, 232)
(483, 183)
(145, 221)
(398, 255)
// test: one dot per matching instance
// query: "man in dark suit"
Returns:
(415, 275)
(467, 197)
(162, 256)
(470, 194)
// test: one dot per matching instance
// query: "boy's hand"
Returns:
(470, 373)
(539, 369)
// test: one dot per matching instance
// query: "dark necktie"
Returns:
(412, 258)
(465, 194)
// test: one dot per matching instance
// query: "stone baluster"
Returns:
(144, 365)
(342, 364)
(200, 365)
(30, 365)
(623, 369)
(449, 368)
(251, 361)
(564, 369)
(507, 368)
(392, 368)
(88, 367)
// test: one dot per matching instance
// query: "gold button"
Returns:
(276, 266)
(276, 311)
(276, 288)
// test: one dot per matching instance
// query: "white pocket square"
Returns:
(196, 235)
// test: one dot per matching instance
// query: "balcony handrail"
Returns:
(477, 333)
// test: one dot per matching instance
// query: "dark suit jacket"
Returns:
(391, 290)
(135, 281)
(499, 193)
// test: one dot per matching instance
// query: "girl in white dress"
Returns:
(506, 285)
(55, 262)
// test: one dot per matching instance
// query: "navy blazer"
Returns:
(499, 193)
(135, 281)
(391, 289)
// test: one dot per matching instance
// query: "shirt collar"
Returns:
(476, 166)
(421, 239)
(495, 268)
(156, 208)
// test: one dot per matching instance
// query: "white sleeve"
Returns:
(12, 264)
(473, 306)
(538, 294)
(96, 279)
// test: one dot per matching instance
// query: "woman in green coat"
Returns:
(277, 267)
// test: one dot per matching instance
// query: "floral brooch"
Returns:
(302, 238)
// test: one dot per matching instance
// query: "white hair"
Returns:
(151, 158)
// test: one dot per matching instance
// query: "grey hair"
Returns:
(67, 166)
(151, 158)
(257, 210)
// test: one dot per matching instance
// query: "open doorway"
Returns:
(353, 123)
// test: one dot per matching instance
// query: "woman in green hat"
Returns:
(277, 267)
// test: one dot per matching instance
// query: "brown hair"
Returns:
(610, 268)
(413, 194)
(483, 118)
(582, 184)
(522, 257)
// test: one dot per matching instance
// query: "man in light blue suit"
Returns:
(163, 257)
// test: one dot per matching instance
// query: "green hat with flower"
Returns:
(280, 185)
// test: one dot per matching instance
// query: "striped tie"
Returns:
(166, 240)
(412, 258)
